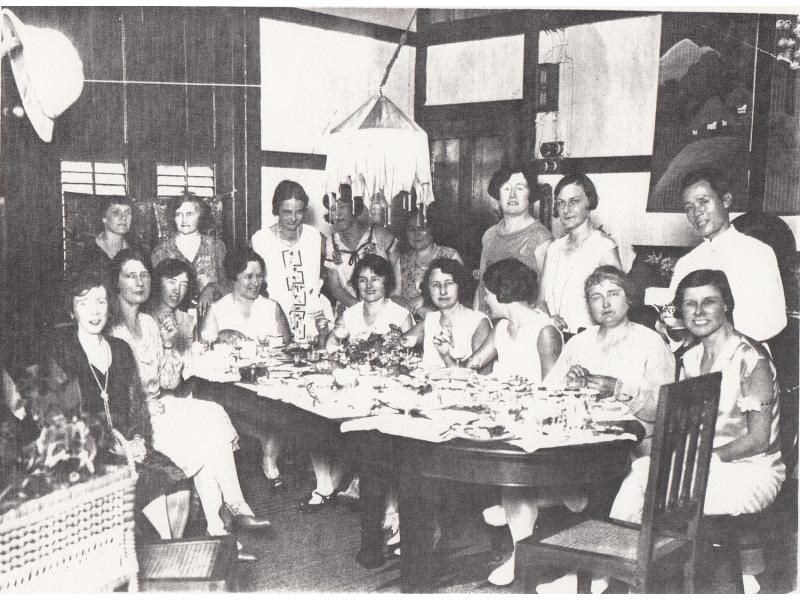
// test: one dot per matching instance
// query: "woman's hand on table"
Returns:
(602, 383)
(156, 407)
(576, 376)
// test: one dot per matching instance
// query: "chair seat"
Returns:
(204, 564)
(603, 537)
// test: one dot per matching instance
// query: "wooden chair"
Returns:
(673, 504)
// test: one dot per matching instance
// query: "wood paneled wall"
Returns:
(121, 118)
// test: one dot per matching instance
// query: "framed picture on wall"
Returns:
(704, 106)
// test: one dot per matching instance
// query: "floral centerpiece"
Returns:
(379, 351)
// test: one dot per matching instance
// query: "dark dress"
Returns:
(127, 407)
(93, 257)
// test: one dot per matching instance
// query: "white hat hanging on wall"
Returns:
(47, 69)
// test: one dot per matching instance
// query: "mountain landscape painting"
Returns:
(704, 105)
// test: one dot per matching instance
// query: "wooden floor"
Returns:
(314, 553)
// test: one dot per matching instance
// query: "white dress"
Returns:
(465, 322)
(743, 486)
(189, 430)
(261, 322)
(357, 328)
(293, 277)
(565, 273)
(520, 355)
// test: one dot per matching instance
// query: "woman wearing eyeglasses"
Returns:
(517, 235)
(450, 332)
(572, 258)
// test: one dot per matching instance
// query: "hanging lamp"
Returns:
(380, 152)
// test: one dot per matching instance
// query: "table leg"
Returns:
(373, 501)
(418, 500)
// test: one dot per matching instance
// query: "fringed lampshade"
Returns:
(379, 151)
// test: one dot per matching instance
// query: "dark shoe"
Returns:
(276, 484)
(250, 523)
(307, 507)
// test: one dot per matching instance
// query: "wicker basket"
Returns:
(75, 540)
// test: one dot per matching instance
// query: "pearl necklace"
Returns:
(103, 391)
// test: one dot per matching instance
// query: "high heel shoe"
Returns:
(250, 523)
(306, 506)
(242, 521)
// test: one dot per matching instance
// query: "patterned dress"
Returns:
(188, 429)
(293, 278)
(207, 263)
(342, 259)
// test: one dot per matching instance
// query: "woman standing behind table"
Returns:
(195, 434)
(616, 357)
(451, 332)
(294, 250)
(527, 344)
(571, 258)
(249, 313)
(746, 469)
(414, 264)
(108, 388)
(203, 252)
(353, 240)
(171, 282)
(116, 236)
(517, 235)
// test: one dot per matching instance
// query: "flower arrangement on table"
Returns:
(378, 351)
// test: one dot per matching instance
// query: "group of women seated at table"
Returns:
(573, 330)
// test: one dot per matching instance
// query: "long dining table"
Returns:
(419, 469)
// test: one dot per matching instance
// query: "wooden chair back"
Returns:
(679, 462)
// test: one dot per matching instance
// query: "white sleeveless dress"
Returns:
(293, 277)
(520, 355)
(466, 321)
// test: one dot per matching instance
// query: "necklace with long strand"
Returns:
(103, 391)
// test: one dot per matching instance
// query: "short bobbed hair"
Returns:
(81, 282)
(504, 173)
(586, 184)
(716, 178)
(615, 276)
(199, 203)
(378, 265)
(511, 281)
(450, 267)
(166, 269)
(235, 262)
(706, 277)
(286, 190)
